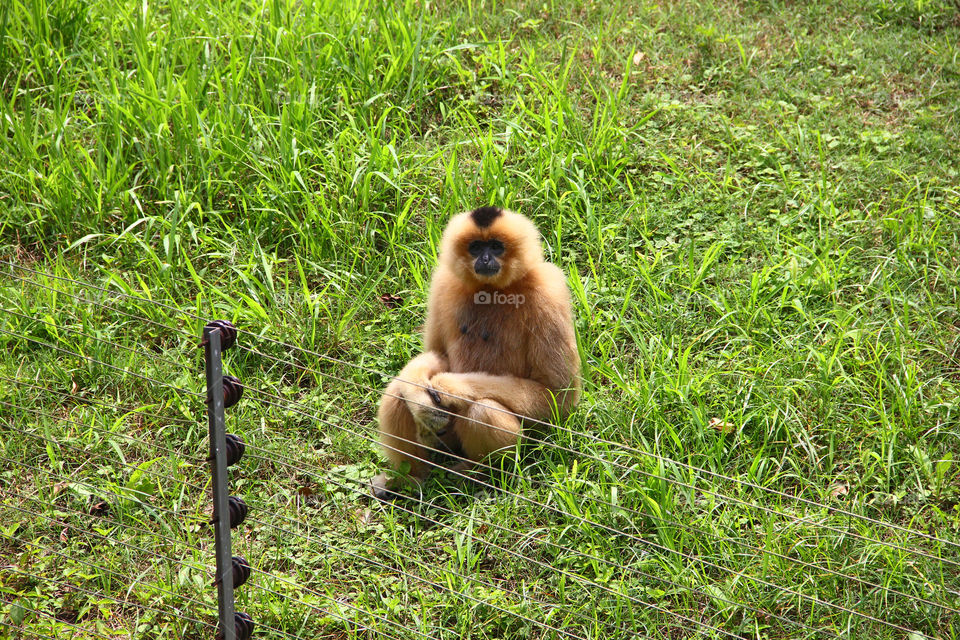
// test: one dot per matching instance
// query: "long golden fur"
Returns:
(496, 345)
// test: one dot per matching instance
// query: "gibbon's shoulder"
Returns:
(549, 281)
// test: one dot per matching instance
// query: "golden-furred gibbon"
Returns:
(499, 343)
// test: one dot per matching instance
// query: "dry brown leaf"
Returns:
(838, 489)
(721, 426)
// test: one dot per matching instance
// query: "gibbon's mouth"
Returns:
(487, 269)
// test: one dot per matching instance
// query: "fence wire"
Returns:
(691, 592)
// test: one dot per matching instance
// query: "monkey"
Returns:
(499, 346)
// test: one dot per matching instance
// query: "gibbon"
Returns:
(499, 343)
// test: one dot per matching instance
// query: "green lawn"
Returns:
(758, 210)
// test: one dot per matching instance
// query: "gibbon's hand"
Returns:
(450, 391)
(427, 409)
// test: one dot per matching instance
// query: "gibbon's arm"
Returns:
(445, 288)
(520, 395)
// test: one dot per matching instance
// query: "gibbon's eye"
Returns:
(496, 247)
(476, 247)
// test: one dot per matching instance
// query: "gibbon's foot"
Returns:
(387, 488)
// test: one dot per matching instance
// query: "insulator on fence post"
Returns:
(235, 448)
(236, 510)
(241, 571)
(232, 391)
(228, 333)
(242, 627)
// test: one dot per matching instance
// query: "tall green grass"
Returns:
(757, 208)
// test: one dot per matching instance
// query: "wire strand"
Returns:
(624, 446)
(530, 438)
(193, 600)
(598, 439)
(197, 487)
(15, 627)
(100, 303)
(51, 550)
(137, 605)
(77, 332)
(55, 620)
(643, 541)
(102, 363)
(660, 519)
(83, 401)
(665, 521)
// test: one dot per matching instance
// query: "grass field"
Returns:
(757, 207)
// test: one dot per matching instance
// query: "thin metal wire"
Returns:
(137, 605)
(112, 343)
(612, 564)
(326, 545)
(658, 546)
(287, 519)
(424, 565)
(269, 525)
(620, 445)
(101, 430)
(647, 453)
(199, 488)
(126, 526)
(552, 568)
(665, 521)
(530, 438)
(589, 456)
(100, 303)
(604, 561)
(299, 585)
(96, 455)
(662, 520)
(607, 528)
(88, 285)
(193, 566)
(589, 436)
(341, 617)
(113, 492)
(643, 541)
(83, 401)
(100, 362)
(55, 619)
(99, 567)
(177, 561)
(33, 633)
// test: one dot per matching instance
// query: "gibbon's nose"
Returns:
(486, 266)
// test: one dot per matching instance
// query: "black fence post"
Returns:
(225, 450)
(218, 463)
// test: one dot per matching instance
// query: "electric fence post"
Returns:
(225, 450)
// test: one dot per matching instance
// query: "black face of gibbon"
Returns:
(486, 253)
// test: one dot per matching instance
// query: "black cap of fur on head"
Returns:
(484, 216)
